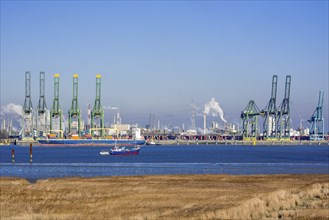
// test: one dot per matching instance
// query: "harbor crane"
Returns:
(283, 113)
(317, 121)
(98, 111)
(41, 122)
(56, 112)
(74, 111)
(27, 111)
(270, 112)
(249, 118)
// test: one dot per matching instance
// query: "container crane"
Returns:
(41, 122)
(27, 111)
(56, 112)
(283, 114)
(98, 111)
(249, 118)
(317, 121)
(74, 111)
(270, 112)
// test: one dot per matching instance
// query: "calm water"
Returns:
(199, 159)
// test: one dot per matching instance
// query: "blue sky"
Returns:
(155, 57)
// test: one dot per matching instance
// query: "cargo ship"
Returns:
(90, 142)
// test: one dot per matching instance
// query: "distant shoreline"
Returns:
(214, 142)
(239, 142)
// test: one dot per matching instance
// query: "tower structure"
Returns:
(193, 125)
(270, 112)
(204, 123)
(88, 126)
(317, 121)
(41, 120)
(283, 120)
(152, 122)
(74, 111)
(27, 111)
(98, 111)
(56, 114)
(249, 118)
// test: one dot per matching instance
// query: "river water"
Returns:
(53, 162)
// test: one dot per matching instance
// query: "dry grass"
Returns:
(168, 197)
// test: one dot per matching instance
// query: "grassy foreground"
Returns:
(167, 197)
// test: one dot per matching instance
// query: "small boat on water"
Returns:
(152, 143)
(104, 152)
(123, 151)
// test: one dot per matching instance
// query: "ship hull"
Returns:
(91, 142)
(124, 153)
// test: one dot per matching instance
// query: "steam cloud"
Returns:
(213, 108)
(13, 112)
(111, 108)
(11, 109)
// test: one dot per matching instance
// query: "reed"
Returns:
(167, 197)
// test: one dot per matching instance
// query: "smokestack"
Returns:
(204, 123)
(89, 115)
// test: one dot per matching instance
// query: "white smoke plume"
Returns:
(197, 109)
(203, 131)
(11, 109)
(194, 106)
(12, 112)
(110, 108)
(213, 108)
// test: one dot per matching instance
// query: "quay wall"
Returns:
(238, 142)
(210, 142)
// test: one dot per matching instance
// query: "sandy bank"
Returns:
(168, 197)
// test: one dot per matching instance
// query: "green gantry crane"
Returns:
(74, 111)
(56, 112)
(249, 118)
(98, 111)
(270, 113)
(283, 115)
(27, 111)
(41, 122)
(317, 121)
